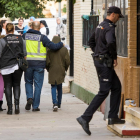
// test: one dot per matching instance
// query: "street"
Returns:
(49, 125)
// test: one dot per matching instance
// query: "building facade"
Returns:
(85, 85)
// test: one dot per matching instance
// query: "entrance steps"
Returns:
(132, 126)
(66, 84)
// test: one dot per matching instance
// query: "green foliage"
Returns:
(64, 9)
(22, 8)
(99, 12)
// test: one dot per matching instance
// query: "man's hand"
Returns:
(115, 63)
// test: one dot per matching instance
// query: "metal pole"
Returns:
(91, 13)
(71, 37)
(124, 7)
(105, 14)
(59, 10)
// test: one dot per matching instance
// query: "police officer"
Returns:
(11, 47)
(103, 44)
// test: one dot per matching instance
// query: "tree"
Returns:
(22, 8)
(64, 8)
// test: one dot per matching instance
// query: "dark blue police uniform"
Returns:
(103, 42)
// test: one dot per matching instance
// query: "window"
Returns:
(89, 26)
(122, 24)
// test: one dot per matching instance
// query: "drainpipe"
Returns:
(59, 10)
(71, 37)
(105, 14)
(91, 13)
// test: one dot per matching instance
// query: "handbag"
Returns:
(22, 63)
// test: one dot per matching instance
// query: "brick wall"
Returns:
(127, 70)
(134, 70)
(67, 39)
(84, 70)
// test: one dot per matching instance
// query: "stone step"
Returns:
(127, 129)
(68, 79)
(132, 115)
(66, 89)
(66, 84)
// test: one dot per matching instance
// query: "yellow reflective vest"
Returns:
(34, 47)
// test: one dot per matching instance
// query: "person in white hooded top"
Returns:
(61, 30)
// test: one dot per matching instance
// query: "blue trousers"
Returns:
(56, 98)
(34, 76)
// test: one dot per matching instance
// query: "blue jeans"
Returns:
(36, 76)
(56, 100)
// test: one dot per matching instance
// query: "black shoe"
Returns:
(1, 102)
(84, 124)
(29, 103)
(37, 109)
(59, 106)
(112, 121)
(10, 110)
(17, 110)
(55, 107)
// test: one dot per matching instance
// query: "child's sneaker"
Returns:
(55, 107)
(59, 106)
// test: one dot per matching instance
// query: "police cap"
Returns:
(114, 9)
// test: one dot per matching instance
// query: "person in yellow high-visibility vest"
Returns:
(36, 44)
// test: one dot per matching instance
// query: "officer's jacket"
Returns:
(9, 56)
(103, 40)
(36, 44)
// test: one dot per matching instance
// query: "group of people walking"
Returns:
(40, 54)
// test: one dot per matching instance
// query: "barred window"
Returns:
(89, 25)
(100, 7)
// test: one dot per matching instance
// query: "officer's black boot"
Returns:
(16, 90)
(1, 102)
(112, 121)
(84, 124)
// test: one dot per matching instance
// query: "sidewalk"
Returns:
(49, 125)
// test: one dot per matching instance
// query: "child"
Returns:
(57, 63)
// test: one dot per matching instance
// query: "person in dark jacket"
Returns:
(57, 63)
(11, 47)
(36, 44)
(103, 44)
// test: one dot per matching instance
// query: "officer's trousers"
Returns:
(108, 81)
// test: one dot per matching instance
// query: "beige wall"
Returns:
(84, 70)
(67, 41)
